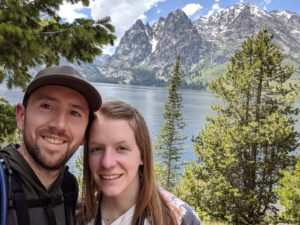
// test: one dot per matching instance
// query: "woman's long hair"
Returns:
(149, 202)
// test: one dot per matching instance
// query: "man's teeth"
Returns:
(111, 177)
(54, 140)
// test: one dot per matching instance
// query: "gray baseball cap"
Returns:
(65, 76)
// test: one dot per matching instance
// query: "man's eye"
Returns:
(45, 106)
(75, 113)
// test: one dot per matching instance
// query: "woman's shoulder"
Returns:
(184, 213)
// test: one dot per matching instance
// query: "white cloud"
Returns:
(217, 0)
(214, 9)
(143, 18)
(266, 3)
(191, 9)
(69, 12)
(122, 13)
(109, 50)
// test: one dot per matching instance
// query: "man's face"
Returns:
(53, 124)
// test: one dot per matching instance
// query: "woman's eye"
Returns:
(96, 149)
(122, 148)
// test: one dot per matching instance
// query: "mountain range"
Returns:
(146, 54)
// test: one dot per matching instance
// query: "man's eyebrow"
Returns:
(46, 97)
(50, 98)
(79, 107)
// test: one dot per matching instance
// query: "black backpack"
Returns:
(16, 198)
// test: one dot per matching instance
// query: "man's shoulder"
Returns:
(9, 147)
(9, 150)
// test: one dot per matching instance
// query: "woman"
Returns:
(118, 179)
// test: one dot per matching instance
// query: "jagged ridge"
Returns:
(147, 53)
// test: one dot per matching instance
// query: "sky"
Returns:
(124, 13)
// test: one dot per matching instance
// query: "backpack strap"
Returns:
(15, 194)
(19, 201)
(3, 193)
(21, 204)
(70, 190)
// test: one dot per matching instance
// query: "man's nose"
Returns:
(59, 120)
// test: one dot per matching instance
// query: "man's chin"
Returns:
(53, 164)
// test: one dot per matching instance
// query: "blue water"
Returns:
(150, 101)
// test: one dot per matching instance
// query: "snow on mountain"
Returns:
(151, 50)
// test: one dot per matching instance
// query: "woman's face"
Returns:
(114, 158)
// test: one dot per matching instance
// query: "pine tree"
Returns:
(32, 34)
(242, 150)
(7, 121)
(289, 194)
(170, 139)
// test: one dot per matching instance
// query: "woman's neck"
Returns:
(112, 208)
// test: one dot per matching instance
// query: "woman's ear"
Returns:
(141, 162)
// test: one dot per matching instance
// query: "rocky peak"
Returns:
(283, 14)
(173, 23)
(157, 27)
(134, 45)
(228, 16)
(205, 43)
(286, 16)
(177, 16)
(138, 25)
(176, 36)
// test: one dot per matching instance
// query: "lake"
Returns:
(150, 101)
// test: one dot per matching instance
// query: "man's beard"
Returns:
(40, 159)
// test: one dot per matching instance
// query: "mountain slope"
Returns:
(147, 53)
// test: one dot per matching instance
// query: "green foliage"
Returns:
(170, 139)
(242, 150)
(213, 223)
(7, 120)
(79, 174)
(191, 187)
(143, 76)
(32, 34)
(159, 172)
(213, 72)
(289, 193)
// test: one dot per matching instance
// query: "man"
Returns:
(53, 118)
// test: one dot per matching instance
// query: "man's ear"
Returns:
(20, 116)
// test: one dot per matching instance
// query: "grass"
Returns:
(213, 223)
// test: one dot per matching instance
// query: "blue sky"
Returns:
(124, 13)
